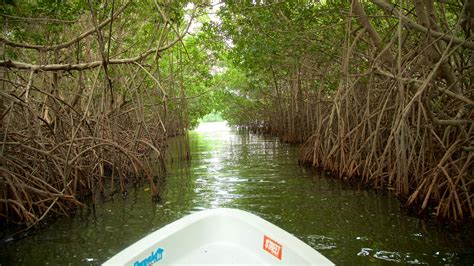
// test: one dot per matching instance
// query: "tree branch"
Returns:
(417, 81)
(50, 20)
(411, 24)
(374, 36)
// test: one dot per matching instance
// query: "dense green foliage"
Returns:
(212, 117)
(271, 48)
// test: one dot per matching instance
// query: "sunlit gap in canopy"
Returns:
(213, 127)
(212, 122)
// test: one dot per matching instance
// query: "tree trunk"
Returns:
(363, 20)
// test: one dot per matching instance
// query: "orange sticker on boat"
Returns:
(272, 247)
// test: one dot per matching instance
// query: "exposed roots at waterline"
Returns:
(48, 166)
(406, 123)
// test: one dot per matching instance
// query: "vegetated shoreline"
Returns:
(110, 185)
(428, 213)
(81, 112)
(88, 202)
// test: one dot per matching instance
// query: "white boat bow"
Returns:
(219, 236)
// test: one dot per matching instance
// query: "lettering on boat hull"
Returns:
(153, 258)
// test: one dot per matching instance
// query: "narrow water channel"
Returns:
(261, 175)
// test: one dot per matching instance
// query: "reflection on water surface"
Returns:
(261, 175)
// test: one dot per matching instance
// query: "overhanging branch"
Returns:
(80, 66)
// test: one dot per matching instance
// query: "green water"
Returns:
(261, 175)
